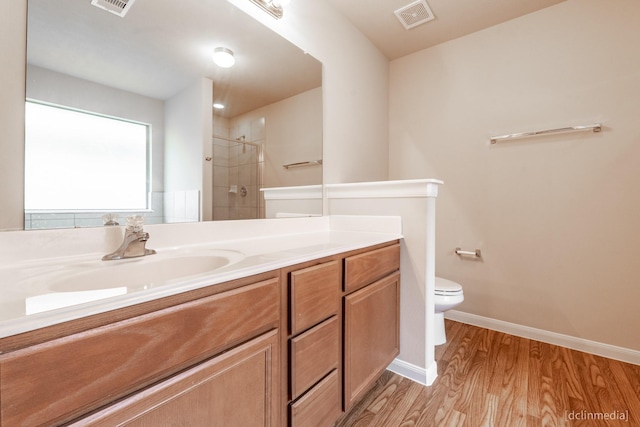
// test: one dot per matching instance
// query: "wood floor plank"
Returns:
(487, 378)
(535, 382)
(416, 416)
(396, 412)
(625, 382)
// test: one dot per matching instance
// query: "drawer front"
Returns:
(360, 270)
(320, 407)
(314, 354)
(315, 295)
(64, 378)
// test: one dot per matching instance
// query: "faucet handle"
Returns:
(110, 219)
(135, 223)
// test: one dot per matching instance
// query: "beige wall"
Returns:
(293, 134)
(557, 217)
(13, 32)
(355, 87)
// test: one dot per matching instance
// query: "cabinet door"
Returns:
(235, 389)
(371, 334)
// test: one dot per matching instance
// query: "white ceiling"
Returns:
(161, 46)
(453, 19)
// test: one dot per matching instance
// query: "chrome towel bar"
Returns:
(310, 163)
(596, 127)
(477, 253)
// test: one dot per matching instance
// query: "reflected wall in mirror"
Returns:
(154, 67)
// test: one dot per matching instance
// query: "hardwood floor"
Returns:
(488, 378)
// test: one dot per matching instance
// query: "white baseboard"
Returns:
(415, 373)
(574, 343)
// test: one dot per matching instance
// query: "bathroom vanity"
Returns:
(292, 336)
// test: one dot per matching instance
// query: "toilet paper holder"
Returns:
(477, 253)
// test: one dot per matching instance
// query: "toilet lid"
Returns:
(447, 287)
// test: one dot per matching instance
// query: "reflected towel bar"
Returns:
(294, 165)
(596, 127)
(475, 253)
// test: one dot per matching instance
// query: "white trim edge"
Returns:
(384, 189)
(293, 193)
(600, 349)
(413, 372)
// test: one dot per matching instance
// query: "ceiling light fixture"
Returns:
(223, 57)
(272, 7)
(218, 106)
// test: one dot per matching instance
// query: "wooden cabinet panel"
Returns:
(360, 270)
(231, 390)
(314, 354)
(315, 295)
(67, 377)
(371, 334)
(320, 407)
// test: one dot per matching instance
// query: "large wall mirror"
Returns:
(120, 115)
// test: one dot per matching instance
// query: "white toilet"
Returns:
(448, 295)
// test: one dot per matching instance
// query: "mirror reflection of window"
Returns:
(79, 161)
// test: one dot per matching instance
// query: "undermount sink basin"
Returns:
(143, 272)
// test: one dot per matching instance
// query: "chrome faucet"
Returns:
(135, 240)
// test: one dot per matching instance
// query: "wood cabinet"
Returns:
(371, 334)
(314, 294)
(314, 354)
(314, 384)
(320, 406)
(234, 389)
(344, 329)
(294, 347)
(371, 318)
(58, 380)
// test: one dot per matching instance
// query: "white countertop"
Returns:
(33, 293)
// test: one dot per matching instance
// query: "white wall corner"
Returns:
(415, 373)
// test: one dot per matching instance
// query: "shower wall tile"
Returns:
(221, 176)
(221, 214)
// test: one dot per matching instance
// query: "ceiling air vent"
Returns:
(117, 7)
(414, 14)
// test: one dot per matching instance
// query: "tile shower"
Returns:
(238, 165)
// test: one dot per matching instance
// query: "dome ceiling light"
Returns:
(223, 57)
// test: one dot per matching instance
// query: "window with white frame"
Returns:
(80, 161)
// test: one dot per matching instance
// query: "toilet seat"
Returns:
(445, 287)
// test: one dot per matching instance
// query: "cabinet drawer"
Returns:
(314, 354)
(320, 407)
(315, 295)
(58, 380)
(360, 270)
(205, 395)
